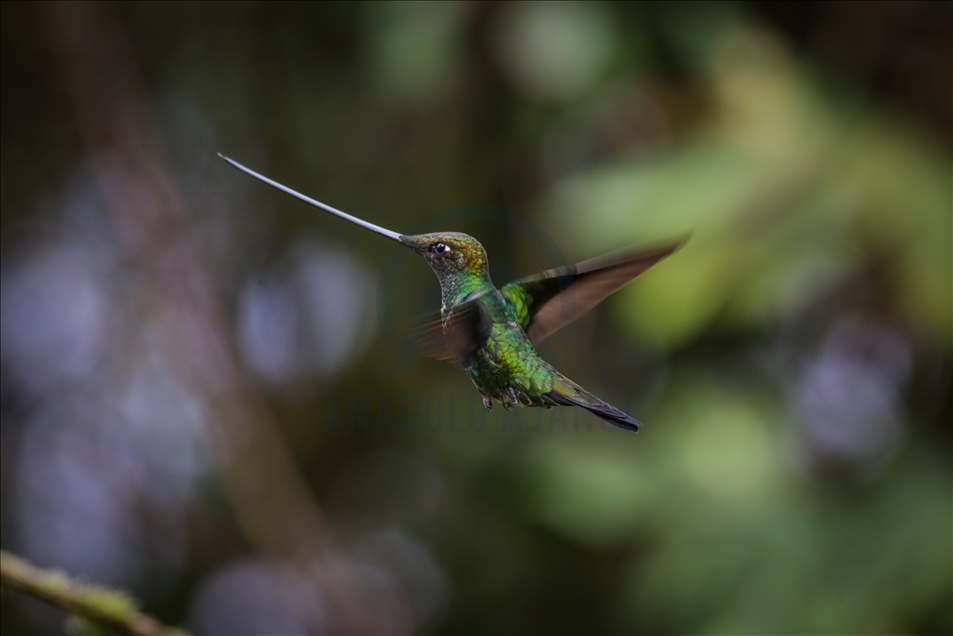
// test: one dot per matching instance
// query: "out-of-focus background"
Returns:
(208, 394)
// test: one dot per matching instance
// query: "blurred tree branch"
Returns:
(155, 228)
(103, 607)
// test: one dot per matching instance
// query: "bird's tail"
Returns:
(567, 393)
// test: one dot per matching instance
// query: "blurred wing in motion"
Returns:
(455, 337)
(550, 300)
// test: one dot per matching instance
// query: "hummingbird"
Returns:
(490, 333)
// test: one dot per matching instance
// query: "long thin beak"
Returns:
(327, 208)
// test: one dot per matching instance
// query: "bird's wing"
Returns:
(548, 301)
(455, 337)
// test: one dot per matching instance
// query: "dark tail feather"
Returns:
(568, 393)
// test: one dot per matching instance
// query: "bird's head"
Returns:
(449, 253)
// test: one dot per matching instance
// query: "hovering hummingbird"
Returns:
(489, 333)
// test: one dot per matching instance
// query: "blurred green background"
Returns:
(208, 397)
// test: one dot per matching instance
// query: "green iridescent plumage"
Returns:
(490, 332)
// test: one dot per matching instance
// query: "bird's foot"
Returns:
(487, 403)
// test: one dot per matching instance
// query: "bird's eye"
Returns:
(440, 248)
